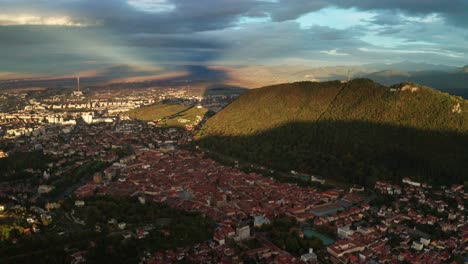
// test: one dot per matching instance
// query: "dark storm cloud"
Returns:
(286, 40)
(186, 31)
(454, 11)
(187, 16)
(387, 18)
(201, 15)
(289, 10)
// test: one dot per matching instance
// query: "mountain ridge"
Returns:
(300, 94)
(384, 132)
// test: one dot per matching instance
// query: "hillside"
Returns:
(357, 131)
(169, 114)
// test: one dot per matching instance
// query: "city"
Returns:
(234, 131)
(113, 155)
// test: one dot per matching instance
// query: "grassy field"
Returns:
(169, 115)
(156, 112)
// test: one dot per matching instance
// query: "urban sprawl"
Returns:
(404, 222)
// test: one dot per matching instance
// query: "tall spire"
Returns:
(78, 81)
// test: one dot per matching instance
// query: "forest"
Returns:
(357, 132)
(107, 244)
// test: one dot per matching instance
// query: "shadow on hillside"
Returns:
(358, 152)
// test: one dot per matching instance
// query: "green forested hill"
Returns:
(357, 131)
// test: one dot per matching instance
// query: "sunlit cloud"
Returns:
(26, 19)
(333, 52)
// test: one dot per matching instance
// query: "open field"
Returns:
(169, 115)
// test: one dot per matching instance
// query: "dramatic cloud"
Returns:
(15, 20)
(454, 11)
(43, 36)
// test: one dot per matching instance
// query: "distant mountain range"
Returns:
(412, 66)
(356, 131)
(454, 82)
(442, 77)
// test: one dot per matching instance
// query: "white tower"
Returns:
(78, 93)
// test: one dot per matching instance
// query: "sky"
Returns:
(65, 36)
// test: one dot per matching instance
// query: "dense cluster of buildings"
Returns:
(155, 169)
(67, 112)
(33, 114)
(416, 224)
(68, 149)
(190, 182)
